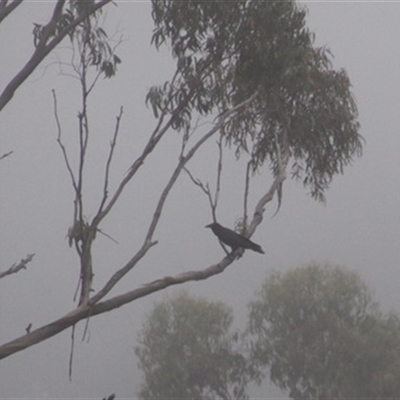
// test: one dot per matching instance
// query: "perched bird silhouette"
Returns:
(233, 239)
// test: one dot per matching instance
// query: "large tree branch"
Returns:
(157, 213)
(50, 28)
(6, 10)
(85, 311)
(42, 50)
(94, 307)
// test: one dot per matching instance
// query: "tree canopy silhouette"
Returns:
(248, 70)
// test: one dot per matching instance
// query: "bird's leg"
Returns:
(225, 250)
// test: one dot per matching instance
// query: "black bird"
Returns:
(233, 239)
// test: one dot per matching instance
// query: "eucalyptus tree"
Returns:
(318, 333)
(188, 350)
(251, 70)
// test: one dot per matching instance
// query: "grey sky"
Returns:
(359, 227)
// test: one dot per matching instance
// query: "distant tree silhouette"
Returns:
(319, 334)
(187, 350)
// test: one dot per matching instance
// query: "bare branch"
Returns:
(157, 213)
(6, 10)
(107, 236)
(155, 137)
(205, 188)
(63, 149)
(267, 197)
(93, 306)
(246, 194)
(108, 164)
(83, 143)
(28, 328)
(85, 311)
(121, 273)
(199, 183)
(6, 155)
(185, 159)
(17, 267)
(218, 186)
(87, 233)
(207, 191)
(71, 354)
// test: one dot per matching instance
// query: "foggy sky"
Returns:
(359, 227)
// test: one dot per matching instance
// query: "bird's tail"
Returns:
(257, 248)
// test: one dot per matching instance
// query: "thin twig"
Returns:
(17, 267)
(185, 159)
(59, 141)
(246, 194)
(198, 182)
(6, 154)
(155, 137)
(108, 164)
(219, 174)
(148, 242)
(107, 236)
(29, 327)
(86, 331)
(71, 354)
(204, 188)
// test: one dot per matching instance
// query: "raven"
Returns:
(233, 239)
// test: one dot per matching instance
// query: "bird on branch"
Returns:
(233, 239)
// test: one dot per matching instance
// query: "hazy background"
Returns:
(359, 227)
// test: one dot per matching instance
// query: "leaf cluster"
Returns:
(227, 51)
(101, 54)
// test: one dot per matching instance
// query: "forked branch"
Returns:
(46, 45)
(95, 308)
(148, 242)
(17, 267)
(109, 160)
